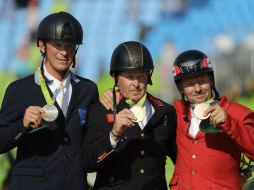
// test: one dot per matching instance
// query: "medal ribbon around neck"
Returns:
(137, 108)
(49, 100)
(46, 94)
(140, 102)
(50, 108)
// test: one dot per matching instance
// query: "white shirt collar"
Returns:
(56, 83)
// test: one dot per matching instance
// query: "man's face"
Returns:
(197, 89)
(59, 56)
(133, 85)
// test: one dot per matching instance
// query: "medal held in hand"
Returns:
(50, 109)
(200, 109)
(138, 113)
(51, 113)
(205, 125)
(137, 108)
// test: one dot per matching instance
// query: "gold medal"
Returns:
(51, 113)
(138, 113)
(199, 110)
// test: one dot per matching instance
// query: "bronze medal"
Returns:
(199, 109)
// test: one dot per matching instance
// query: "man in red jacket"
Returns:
(212, 132)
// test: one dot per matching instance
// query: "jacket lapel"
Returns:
(159, 112)
(76, 88)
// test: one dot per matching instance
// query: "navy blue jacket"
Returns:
(48, 159)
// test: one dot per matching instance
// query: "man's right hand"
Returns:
(33, 117)
(123, 120)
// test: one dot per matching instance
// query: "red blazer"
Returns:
(211, 161)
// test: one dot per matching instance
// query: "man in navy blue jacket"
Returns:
(43, 115)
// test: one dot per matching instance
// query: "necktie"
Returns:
(61, 99)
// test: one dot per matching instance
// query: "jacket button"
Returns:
(195, 141)
(193, 156)
(142, 135)
(111, 179)
(193, 172)
(142, 171)
(142, 152)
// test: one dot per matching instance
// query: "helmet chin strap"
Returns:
(114, 94)
(150, 78)
(74, 58)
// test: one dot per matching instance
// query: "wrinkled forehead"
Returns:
(134, 73)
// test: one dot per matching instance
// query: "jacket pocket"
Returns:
(28, 171)
(174, 181)
(82, 116)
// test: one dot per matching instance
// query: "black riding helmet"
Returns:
(190, 63)
(62, 27)
(131, 56)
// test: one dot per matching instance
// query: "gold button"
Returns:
(193, 172)
(195, 141)
(142, 171)
(229, 133)
(142, 135)
(194, 156)
(18, 136)
(111, 179)
(142, 152)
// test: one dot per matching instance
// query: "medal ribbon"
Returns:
(210, 101)
(46, 94)
(49, 100)
(140, 102)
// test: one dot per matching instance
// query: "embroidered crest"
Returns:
(67, 32)
(110, 118)
(82, 116)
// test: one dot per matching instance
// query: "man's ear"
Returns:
(42, 47)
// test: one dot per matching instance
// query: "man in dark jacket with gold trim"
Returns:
(127, 147)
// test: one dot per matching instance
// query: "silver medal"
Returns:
(51, 113)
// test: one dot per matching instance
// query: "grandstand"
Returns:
(186, 24)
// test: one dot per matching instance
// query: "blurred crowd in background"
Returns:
(223, 29)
